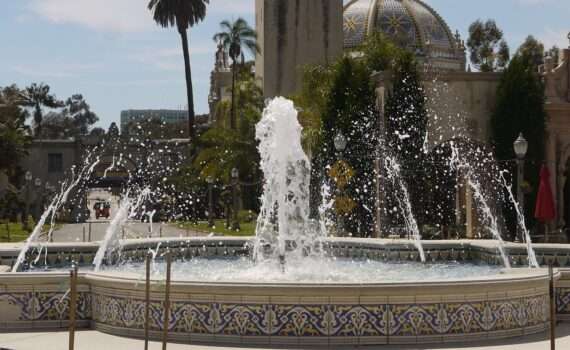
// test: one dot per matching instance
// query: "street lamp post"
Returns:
(235, 183)
(210, 181)
(340, 143)
(28, 177)
(521, 148)
(38, 202)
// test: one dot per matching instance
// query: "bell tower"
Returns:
(292, 34)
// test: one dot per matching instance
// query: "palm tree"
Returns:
(182, 14)
(233, 37)
(38, 96)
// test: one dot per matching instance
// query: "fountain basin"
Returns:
(289, 314)
(295, 314)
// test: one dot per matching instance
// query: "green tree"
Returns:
(406, 123)
(97, 132)
(14, 133)
(488, 51)
(182, 14)
(379, 53)
(234, 38)
(350, 110)
(74, 120)
(57, 125)
(37, 97)
(312, 102)
(79, 110)
(532, 52)
(222, 148)
(520, 108)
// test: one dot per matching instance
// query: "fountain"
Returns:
(458, 163)
(282, 225)
(394, 174)
(291, 285)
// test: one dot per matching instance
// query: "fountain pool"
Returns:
(373, 292)
(309, 271)
(292, 284)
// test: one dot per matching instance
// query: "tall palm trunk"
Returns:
(233, 119)
(189, 90)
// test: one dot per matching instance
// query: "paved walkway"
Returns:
(93, 340)
(132, 230)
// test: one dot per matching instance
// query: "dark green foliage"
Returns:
(379, 53)
(406, 123)
(520, 108)
(221, 148)
(181, 14)
(406, 113)
(74, 120)
(531, 52)
(350, 109)
(14, 133)
(488, 51)
(37, 97)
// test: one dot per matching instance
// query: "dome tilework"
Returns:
(411, 24)
(356, 16)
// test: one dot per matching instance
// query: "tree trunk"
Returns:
(233, 124)
(189, 92)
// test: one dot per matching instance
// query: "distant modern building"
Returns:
(168, 116)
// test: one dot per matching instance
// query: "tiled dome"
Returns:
(410, 23)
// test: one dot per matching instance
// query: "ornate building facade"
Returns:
(293, 33)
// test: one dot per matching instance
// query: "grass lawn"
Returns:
(16, 233)
(247, 228)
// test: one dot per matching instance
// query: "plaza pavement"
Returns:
(132, 230)
(95, 229)
(93, 340)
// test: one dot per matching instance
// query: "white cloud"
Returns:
(123, 16)
(57, 70)
(168, 59)
(101, 15)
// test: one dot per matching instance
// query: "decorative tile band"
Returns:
(47, 306)
(326, 320)
(563, 301)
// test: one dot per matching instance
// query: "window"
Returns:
(55, 163)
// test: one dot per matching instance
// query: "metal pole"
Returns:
(27, 209)
(552, 308)
(520, 195)
(210, 205)
(89, 230)
(165, 325)
(88, 235)
(83, 233)
(160, 230)
(235, 225)
(339, 193)
(8, 231)
(72, 306)
(147, 302)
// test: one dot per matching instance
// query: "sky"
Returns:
(112, 52)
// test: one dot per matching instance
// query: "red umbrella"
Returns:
(544, 210)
